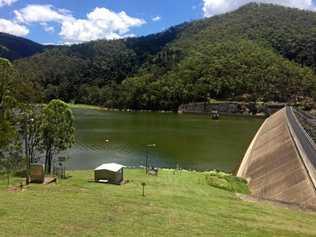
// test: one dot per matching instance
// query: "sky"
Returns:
(76, 21)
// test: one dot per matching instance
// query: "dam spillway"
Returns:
(280, 162)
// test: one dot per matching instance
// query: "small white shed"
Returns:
(109, 173)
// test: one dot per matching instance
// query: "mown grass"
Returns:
(176, 204)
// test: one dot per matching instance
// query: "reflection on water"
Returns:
(192, 141)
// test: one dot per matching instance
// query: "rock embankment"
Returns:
(232, 108)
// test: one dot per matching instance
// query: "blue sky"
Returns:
(75, 21)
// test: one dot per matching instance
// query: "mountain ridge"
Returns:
(13, 47)
(208, 58)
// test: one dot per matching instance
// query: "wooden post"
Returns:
(143, 184)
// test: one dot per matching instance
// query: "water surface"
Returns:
(191, 141)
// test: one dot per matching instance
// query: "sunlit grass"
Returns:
(84, 106)
(175, 204)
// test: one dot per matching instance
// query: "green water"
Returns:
(191, 141)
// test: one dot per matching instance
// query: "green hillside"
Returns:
(259, 52)
(288, 31)
(13, 47)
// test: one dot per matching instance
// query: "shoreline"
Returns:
(106, 109)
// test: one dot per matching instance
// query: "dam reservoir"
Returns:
(188, 141)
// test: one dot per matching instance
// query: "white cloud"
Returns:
(156, 18)
(42, 13)
(49, 43)
(214, 7)
(13, 28)
(6, 2)
(101, 23)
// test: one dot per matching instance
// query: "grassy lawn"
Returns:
(181, 204)
(84, 106)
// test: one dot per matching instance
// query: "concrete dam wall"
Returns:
(277, 166)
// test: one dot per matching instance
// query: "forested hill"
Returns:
(13, 47)
(290, 32)
(259, 52)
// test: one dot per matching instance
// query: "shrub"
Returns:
(227, 182)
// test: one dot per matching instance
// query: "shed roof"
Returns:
(114, 167)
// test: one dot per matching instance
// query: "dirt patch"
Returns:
(20, 188)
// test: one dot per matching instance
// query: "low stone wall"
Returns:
(232, 108)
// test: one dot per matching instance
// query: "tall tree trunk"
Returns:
(27, 156)
(47, 160)
(50, 163)
(8, 177)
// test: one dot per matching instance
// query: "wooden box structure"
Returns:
(37, 173)
(109, 173)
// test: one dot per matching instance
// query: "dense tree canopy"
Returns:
(259, 52)
(41, 129)
(7, 104)
(9, 140)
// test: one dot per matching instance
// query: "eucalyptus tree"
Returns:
(9, 139)
(57, 130)
(31, 119)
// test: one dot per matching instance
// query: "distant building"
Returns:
(109, 173)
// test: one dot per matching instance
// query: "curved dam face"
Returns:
(276, 166)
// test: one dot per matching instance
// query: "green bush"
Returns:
(227, 182)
